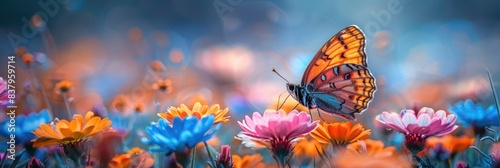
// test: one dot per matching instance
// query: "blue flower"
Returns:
(24, 125)
(470, 114)
(182, 134)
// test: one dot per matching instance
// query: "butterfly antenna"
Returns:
(274, 70)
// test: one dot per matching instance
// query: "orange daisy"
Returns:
(198, 111)
(351, 160)
(63, 87)
(372, 147)
(120, 161)
(163, 85)
(340, 134)
(67, 132)
(248, 161)
(307, 148)
(451, 143)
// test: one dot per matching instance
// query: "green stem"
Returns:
(497, 103)
(68, 109)
(193, 157)
(39, 87)
(209, 154)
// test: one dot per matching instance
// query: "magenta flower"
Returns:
(224, 159)
(277, 130)
(4, 99)
(418, 126)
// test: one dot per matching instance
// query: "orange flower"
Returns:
(139, 107)
(120, 161)
(65, 132)
(63, 86)
(120, 103)
(248, 161)
(340, 133)
(134, 151)
(350, 160)
(163, 85)
(307, 148)
(198, 111)
(451, 143)
(372, 147)
(135, 157)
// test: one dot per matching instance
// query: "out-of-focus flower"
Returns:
(100, 110)
(157, 66)
(4, 97)
(197, 111)
(224, 159)
(277, 130)
(372, 147)
(135, 157)
(120, 103)
(215, 141)
(470, 114)
(24, 125)
(140, 158)
(348, 159)
(248, 161)
(65, 132)
(495, 153)
(451, 143)
(340, 134)
(27, 59)
(120, 161)
(63, 86)
(163, 85)
(35, 163)
(418, 126)
(180, 134)
(139, 107)
(307, 148)
(462, 164)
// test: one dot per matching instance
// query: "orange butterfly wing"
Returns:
(347, 46)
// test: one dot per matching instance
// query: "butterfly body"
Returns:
(337, 81)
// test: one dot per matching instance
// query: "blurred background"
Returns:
(422, 53)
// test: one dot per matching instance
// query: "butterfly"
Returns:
(337, 80)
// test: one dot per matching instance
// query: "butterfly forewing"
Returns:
(346, 47)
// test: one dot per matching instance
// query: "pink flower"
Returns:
(224, 159)
(418, 126)
(4, 99)
(277, 130)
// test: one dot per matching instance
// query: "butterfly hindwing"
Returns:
(343, 90)
(345, 47)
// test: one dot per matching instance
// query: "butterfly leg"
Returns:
(295, 106)
(319, 114)
(279, 97)
(284, 101)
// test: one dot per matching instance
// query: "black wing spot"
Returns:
(342, 42)
(345, 47)
(342, 55)
(347, 76)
